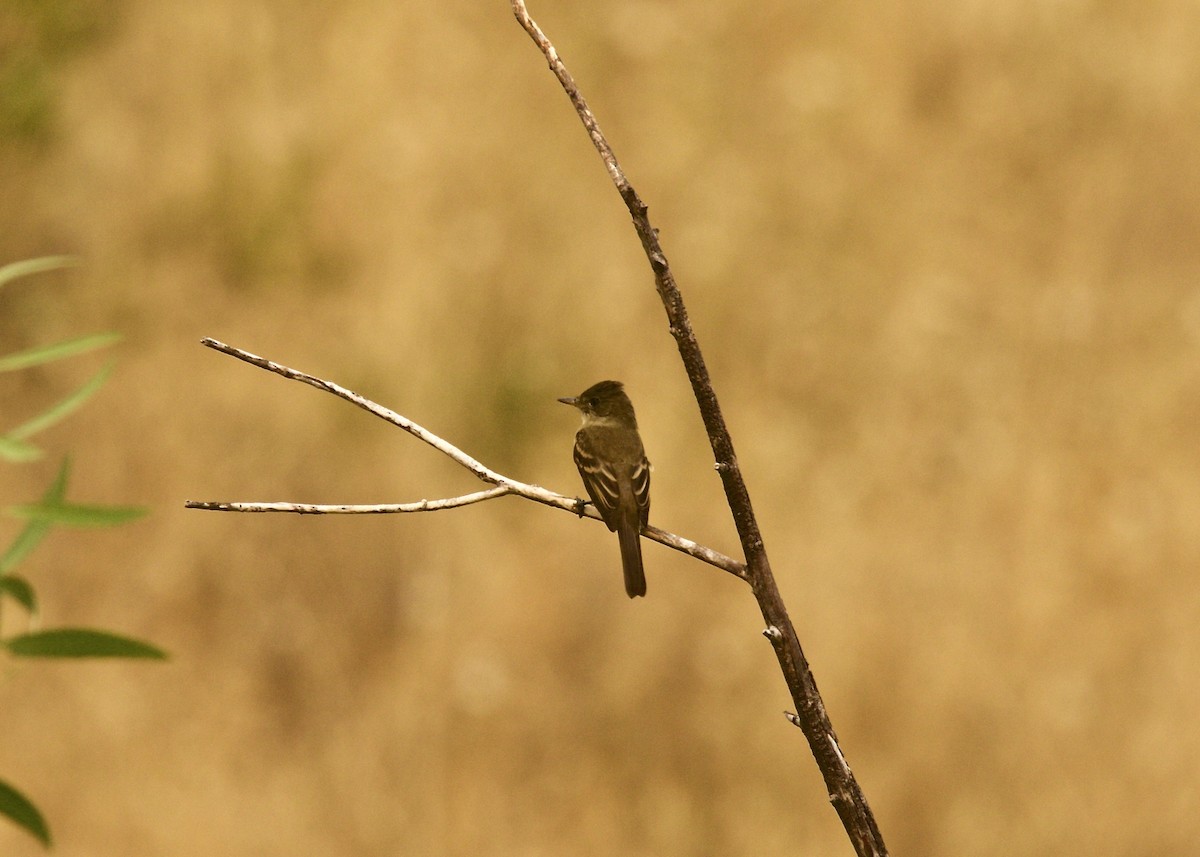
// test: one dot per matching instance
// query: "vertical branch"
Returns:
(844, 792)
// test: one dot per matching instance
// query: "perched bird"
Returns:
(616, 474)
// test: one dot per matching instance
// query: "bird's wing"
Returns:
(599, 480)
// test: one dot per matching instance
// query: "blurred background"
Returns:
(942, 259)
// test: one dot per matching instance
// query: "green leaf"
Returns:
(78, 514)
(65, 407)
(36, 529)
(19, 588)
(80, 643)
(35, 266)
(18, 807)
(58, 488)
(57, 351)
(17, 451)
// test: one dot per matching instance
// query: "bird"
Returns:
(612, 462)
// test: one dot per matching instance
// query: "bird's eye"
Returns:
(591, 403)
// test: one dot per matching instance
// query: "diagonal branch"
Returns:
(503, 485)
(844, 791)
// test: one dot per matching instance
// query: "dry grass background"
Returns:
(943, 261)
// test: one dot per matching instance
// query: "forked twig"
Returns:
(844, 792)
(503, 485)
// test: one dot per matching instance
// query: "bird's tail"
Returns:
(631, 558)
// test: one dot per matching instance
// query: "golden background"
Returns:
(942, 259)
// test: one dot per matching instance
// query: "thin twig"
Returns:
(504, 485)
(844, 792)
(356, 509)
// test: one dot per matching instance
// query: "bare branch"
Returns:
(366, 404)
(844, 792)
(370, 509)
(504, 485)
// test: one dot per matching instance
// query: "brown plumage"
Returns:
(616, 474)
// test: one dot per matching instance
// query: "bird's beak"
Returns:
(573, 401)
